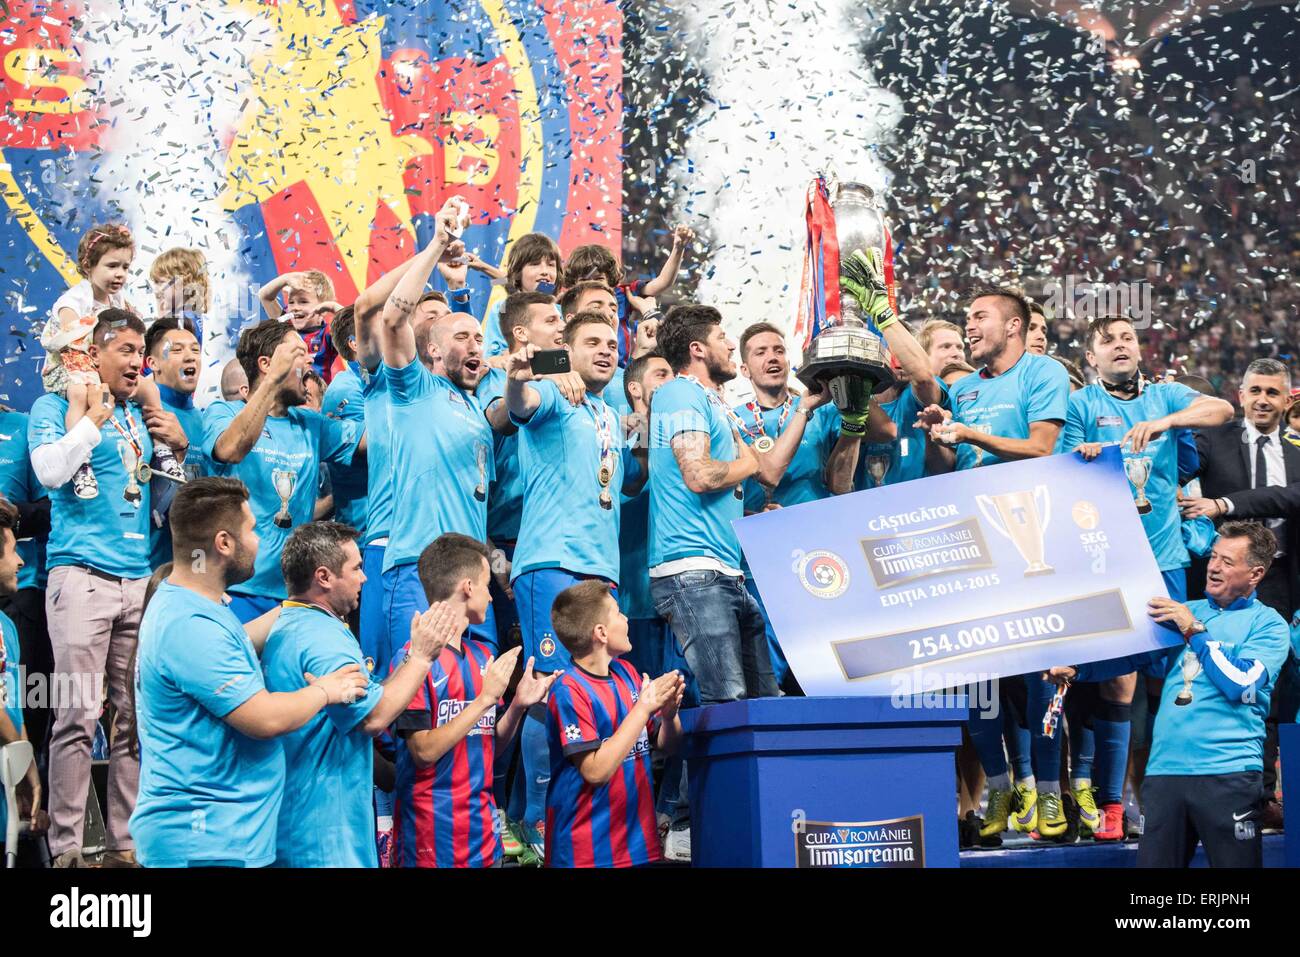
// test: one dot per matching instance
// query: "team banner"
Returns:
(284, 135)
(958, 578)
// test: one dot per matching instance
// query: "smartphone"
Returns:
(550, 361)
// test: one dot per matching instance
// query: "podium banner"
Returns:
(958, 578)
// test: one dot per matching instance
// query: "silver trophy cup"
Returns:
(847, 348)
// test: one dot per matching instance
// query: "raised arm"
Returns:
(241, 435)
(396, 337)
(269, 294)
(366, 312)
(661, 283)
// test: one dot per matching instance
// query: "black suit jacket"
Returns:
(1225, 473)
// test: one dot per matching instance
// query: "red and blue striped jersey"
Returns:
(445, 815)
(609, 826)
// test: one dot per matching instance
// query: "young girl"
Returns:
(532, 266)
(104, 259)
(179, 278)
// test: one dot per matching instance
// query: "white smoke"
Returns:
(792, 96)
(171, 76)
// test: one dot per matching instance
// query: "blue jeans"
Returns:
(721, 631)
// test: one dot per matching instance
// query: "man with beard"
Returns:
(275, 447)
(173, 354)
(572, 460)
(327, 818)
(698, 467)
(440, 442)
(212, 773)
(98, 561)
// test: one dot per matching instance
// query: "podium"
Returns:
(1288, 739)
(824, 782)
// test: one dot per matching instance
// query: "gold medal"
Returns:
(143, 473)
(604, 475)
(764, 444)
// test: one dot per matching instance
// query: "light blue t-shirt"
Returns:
(615, 396)
(506, 494)
(441, 462)
(907, 452)
(18, 483)
(494, 343)
(1097, 416)
(344, 400)
(564, 524)
(327, 818)
(1035, 389)
(682, 523)
(290, 451)
(108, 532)
(196, 464)
(11, 691)
(805, 478)
(208, 794)
(379, 455)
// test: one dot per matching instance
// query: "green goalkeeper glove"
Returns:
(862, 276)
(853, 419)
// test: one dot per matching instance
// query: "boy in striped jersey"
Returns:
(602, 718)
(446, 813)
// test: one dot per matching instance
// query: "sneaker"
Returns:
(1089, 816)
(1112, 823)
(996, 817)
(69, 859)
(119, 859)
(677, 846)
(1052, 822)
(165, 463)
(968, 830)
(1025, 817)
(1270, 817)
(665, 823)
(511, 846)
(533, 837)
(84, 483)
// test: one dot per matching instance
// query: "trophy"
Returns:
(1138, 470)
(480, 456)
(130, 462)
(1191, 668)
(877, 467)
(847, 349)
(1021, 517)
(284, 482)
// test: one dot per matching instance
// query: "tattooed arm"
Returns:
(701, 472)
(396, 336)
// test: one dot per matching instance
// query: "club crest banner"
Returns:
(958, 578)
(280, 135)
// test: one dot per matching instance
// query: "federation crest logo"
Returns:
(547, 646)
(572, 732)
(824, 574)
(370, 665)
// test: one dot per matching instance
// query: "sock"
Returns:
(1028, 782)
(986, 735)
(1080, 784)
(1053, 787)
(1111, 726)
(1000, 782)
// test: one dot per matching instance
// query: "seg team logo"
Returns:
(546, 646)
(824, 574)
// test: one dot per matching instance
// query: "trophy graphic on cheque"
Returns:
(1022, 517)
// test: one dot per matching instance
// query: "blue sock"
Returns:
(1019, 748)
(1046, 751)
(1112, 727)
(986, 735)
(1083, 744)
(536, 761)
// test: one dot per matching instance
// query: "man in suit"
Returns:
(1247, 470)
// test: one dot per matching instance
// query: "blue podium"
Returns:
(824, 782)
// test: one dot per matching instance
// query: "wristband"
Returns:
(882, 326)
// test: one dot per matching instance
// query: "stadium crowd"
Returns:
(429, 584)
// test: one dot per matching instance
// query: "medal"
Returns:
(764, 444)
(605, 436)
(143, 473)
(131, 452)
(604, 475)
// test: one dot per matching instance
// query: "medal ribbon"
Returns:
(134, 437)
(604, 433)
(756, 410)
(819, 290)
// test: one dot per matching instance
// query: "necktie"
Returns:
(1261, 468)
